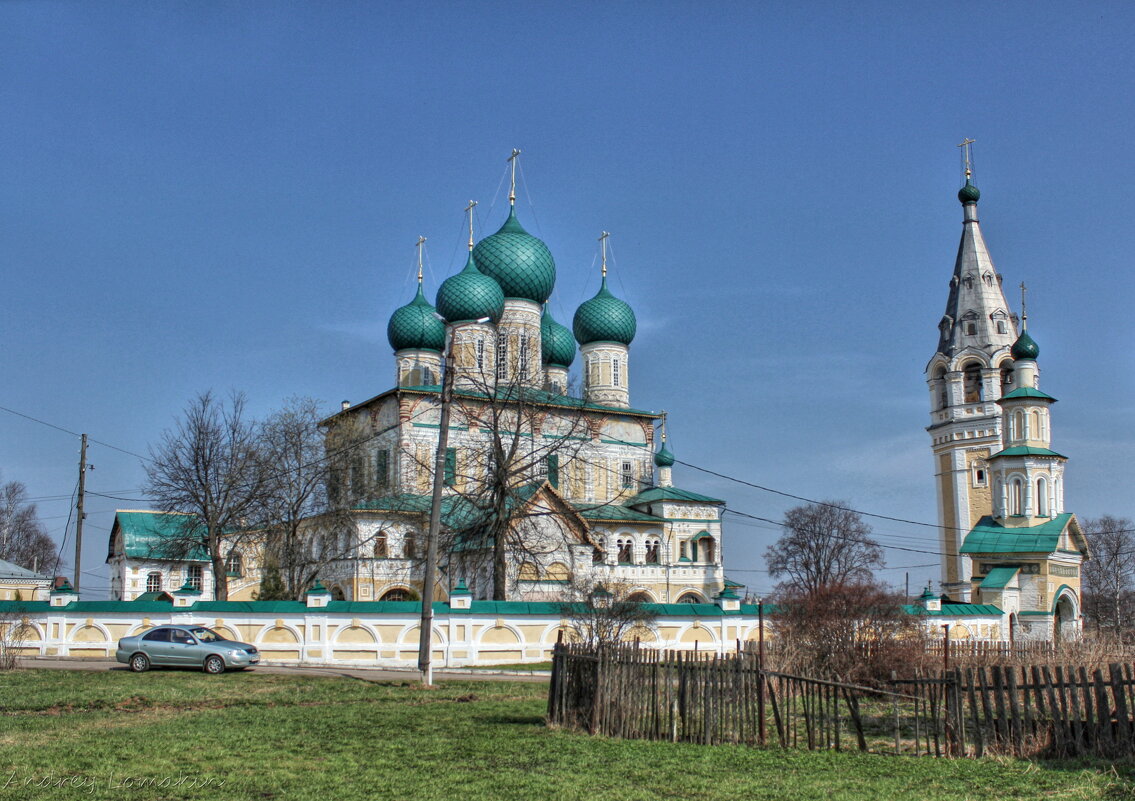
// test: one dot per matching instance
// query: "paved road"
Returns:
(366, 674)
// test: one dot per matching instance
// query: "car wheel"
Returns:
(214, 664)
(139, 663)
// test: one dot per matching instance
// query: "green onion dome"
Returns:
(1025, 347)
(604, 318)
(470, 295)
(518, 261)
(969, 193)
(556, 343)
(663, 458)
(415, 326)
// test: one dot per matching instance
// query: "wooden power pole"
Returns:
(80, 513)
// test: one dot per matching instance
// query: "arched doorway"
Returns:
(1064, 624)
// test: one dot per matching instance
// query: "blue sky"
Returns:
(227, 195)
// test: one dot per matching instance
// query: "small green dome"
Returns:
(1025, 347)
(663, 458)
(604, 318)
(415, 326)
(969, 193)
(518, 261)
(556, 343)
(470, 295)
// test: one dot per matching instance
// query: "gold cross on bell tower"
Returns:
(1024, 308)
(967, 156)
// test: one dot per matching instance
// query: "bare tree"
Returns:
(23, 540)
(210, 467)
(855, 631)
(1109, 600)
(823, 544)
(14, 627)
(529, 436)
(304, 513)
(603, 614)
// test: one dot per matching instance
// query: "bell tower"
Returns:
(970, 370)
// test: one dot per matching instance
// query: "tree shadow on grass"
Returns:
(512, 720)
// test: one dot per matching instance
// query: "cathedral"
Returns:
(546, 489)
(1006, 540)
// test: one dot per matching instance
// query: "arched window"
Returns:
(427, 376)
(409, 549)
(1044, 424)
(1006, 377)
(399, 594)
(598, 555)
(529, 572)
(502, 358)
(1016, 497)
(1042, 497)
(1017, 426)
(480, 350)
(381, 545)
(971, 383)
(616, 373)
(690, 598)
(154, 582)
(337, 593)
(1034, 424)
(640, 598)
(194, 576)
(941, 390)
(707, 549)
(233, 566)
(652, 552)
(626, 551)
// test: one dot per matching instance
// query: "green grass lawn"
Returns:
(118, 735)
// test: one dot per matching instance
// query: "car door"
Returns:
(156, 646)
(183, 647)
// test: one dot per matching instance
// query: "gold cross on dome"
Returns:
(469, 211)
(967, 156)
(421, 241)
(512, 186)
(603, 245)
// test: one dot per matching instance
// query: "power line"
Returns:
(73, 433)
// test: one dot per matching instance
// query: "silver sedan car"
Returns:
(189, 646)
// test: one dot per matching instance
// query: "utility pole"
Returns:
(81, 513)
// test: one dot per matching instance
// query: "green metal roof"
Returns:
(520, 263)
(157, 535)
(1027, 450)
(1027, 392)
(613, 513)
(999, 577)
(604, 318)
(9, 570)
(956, 610)
(533, 396)
(989, 536)
(670, 494)
(159, 595)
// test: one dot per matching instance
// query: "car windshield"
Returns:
(205, 635)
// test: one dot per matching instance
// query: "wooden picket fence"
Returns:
(632, 692)
(1038, 710)
(1035, 710)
